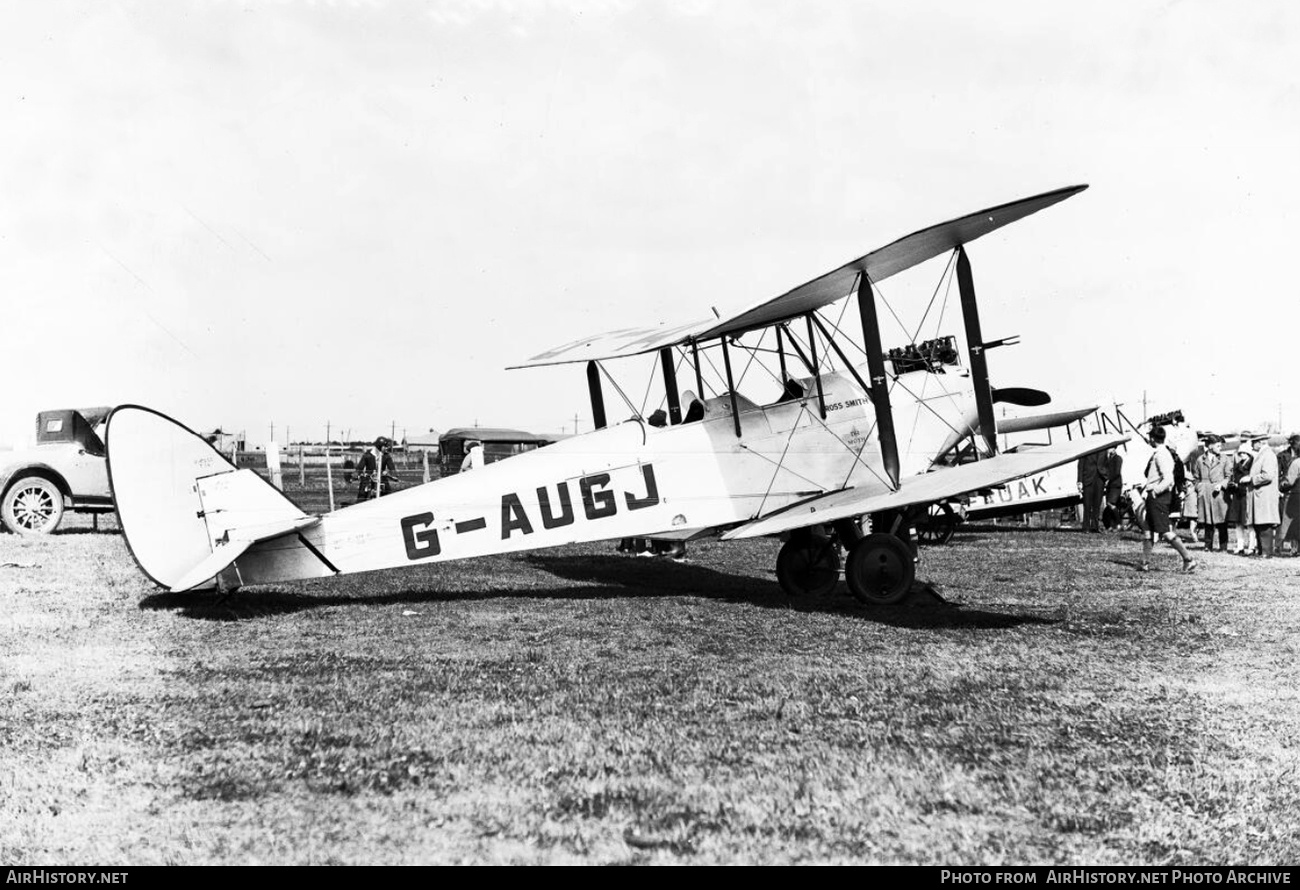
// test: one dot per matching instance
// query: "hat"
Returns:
(1261, 436)
(1245, 434)
(1293, 439)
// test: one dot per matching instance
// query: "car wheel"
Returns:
(32, 506)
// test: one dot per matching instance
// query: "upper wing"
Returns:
(822, 291)
(924, 489)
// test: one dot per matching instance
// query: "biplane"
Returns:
(839, 461)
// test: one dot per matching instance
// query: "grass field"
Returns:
(576, 706)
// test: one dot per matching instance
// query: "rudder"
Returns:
(155, 470)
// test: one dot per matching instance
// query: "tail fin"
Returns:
(186, 511)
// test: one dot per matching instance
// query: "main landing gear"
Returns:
(880, 567)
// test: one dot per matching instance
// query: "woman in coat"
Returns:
(1239, 514)
(1264, 495)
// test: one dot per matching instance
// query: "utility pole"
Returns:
(575, 424)
(1144, 406)
(273, 431)
(327, 432)
(392, 433)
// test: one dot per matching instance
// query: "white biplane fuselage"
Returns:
(629, 479)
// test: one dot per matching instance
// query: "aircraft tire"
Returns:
(937, 527)
(32, 506)
(808, 566)
(880, 569)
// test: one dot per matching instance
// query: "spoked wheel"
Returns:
(880, 569)
(938, 526)
(32, 506)
(808, 566)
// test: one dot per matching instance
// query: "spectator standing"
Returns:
(1290, 527)
(1112, 466)
(1092, 487)
(1239, 503)
(1210, 473)
(1285, 458)
(375, 470)
(473, 456)
(1157, 488)
(1264, 495)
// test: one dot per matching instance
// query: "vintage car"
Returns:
(66, 470)
(498, 444)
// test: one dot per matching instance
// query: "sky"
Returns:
(359, 214)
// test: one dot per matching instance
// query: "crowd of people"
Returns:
(1245, 502)
(1253, 493)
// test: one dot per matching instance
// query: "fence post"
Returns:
(425, 452)
(302, 470)
(273, 465)
(329, 476)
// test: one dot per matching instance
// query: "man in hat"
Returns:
(376, 465)
(1263, 494)
(1092, 488)
(1157, 488)
(1210, 471)
(1112, 470)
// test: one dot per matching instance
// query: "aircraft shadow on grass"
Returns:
(600, 578)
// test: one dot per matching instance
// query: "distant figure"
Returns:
(473, 456)
(1157, 489)
(1285, 458)
(1290, 529)
(1112, 470)
(376, 464)
(1211, 472)
(1239, 502)
(1092, 487)
(1190, 505)
(674, 550)
(1264, 495)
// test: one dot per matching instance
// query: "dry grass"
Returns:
(577, 706)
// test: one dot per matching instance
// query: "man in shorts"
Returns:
(1157, 489)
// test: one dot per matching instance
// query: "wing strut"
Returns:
(731, 387)
(670, 386)
(975, 346)
(817, 368)
(597, 397)
(879, 390)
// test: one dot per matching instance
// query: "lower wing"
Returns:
(924, 489)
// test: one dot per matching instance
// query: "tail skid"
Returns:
(187, 513)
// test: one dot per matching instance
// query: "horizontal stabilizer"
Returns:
(934, 486)
(239, 540)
